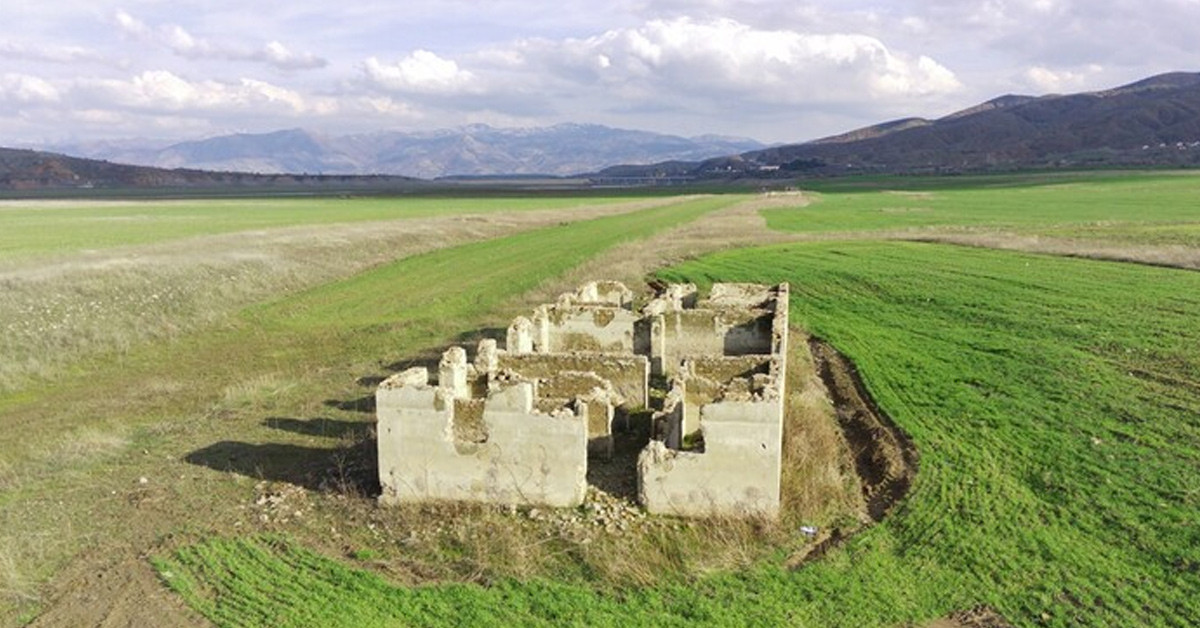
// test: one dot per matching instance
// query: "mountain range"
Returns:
(1153, 122)
(28, 171)
(475, 150)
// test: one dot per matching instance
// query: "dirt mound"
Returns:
(978, 617)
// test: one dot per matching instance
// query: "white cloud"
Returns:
(421, 72)
(26, 89)
(161, 90)
(279, 56)
(48, 54)
(177, 39)
(774, 70)
(1058, 81)
(723, 56)
(131, 25)
(386, 106)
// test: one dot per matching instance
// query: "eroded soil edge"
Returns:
(885, 459)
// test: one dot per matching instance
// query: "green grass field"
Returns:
(1142, 208)
(65, 438)
(33, 228)
(1055, 403)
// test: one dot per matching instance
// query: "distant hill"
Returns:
(476, 150)
(1153, 122)
(31, 171)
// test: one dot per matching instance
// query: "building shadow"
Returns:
(321, 426)
(618, 476)
(349, 470)
(364, 404)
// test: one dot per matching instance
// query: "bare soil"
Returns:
(126, 593)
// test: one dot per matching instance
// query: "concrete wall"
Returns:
(585, 386)
(725, 368)
(740, 295)
(598, 328)
(708, 332)
(612, 293)
(737, 474)
(505, 452)
(729, 390)
(516, 426)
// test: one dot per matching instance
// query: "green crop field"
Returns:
(40, 227)
(1139, 208)
(1056, 406)
(139, 413)
(1054, 401)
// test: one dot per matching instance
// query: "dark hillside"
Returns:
(27, 171)
(1152, 122)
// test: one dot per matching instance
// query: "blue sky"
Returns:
(73, 70)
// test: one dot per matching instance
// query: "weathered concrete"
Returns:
(498, 449)
(721, 426)
(600, 397)
(612, 293)
(517, 425)
(571, 327)
(629, 375)
(736, 430)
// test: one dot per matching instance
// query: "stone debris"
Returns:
(279, 502)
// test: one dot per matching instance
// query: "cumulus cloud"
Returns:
(1047, 80)
(724, 56)
(183, 43)
(161, 90)
(422, 72)
(26, 89)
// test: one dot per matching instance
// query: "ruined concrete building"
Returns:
(521, 425)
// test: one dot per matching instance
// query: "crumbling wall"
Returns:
(726, 368)
(708, 332)
(722, 421)
(500, 449)
(589, 388)
(517, 425)
(612, 293)
(628, 374)
(598, 328)
(737, 474)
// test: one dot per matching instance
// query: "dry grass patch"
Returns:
(1176, 256)
(736, 226)
(819, 481)
(56, 311)
(15, 585)
(606, 542)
